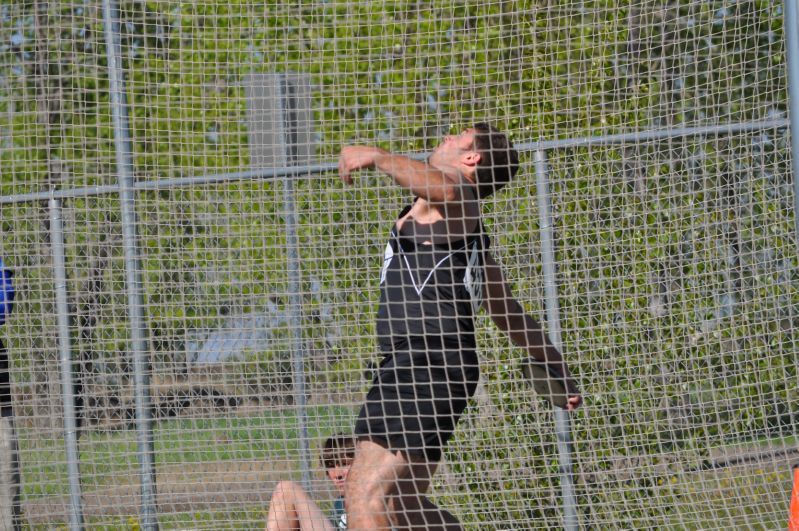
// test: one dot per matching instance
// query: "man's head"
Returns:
(482, 154)
(337, 455)
(499, 161)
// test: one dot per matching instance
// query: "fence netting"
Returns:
(674, 255)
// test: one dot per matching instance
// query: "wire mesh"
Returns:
(675, 257)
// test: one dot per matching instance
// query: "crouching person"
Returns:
(291, 507)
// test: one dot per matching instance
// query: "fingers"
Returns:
(574, 402)
(346, 165)
(345, 176)
(355, 158)
(343, 170)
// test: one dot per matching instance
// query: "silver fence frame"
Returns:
(126, 189)
(287, 175)
(539, 152)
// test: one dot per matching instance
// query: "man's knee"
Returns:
(364, 494)
(286, 491)
(360, 508)
(371, 482)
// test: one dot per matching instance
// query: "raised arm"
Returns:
(420, 178)
(522, 329)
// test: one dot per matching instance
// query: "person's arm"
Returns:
(508, 314)
(417, 176)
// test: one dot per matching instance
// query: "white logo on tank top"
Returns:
(473, 278)
(419, 286)
(388, 255)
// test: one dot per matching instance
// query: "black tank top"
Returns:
(430, 290)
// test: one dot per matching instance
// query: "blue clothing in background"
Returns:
(6, 301)
(6, 292)
(339, 514)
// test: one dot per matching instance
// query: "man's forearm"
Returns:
(417, 176)
(532, 338)
(524, 331)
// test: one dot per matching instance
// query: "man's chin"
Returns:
(442, 166)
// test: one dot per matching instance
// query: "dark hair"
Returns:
(338, 450)
(499, 161)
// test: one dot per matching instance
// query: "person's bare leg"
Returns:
(291, 509)
(384, 488)
(371, 480)
(413, 509)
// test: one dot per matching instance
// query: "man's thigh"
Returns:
(379, 471)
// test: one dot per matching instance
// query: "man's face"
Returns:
(456, 152)
(338, 475)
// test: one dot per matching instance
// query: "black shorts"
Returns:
(418, 395)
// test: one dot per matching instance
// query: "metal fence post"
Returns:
(133, 276)
(65, 360)
(562, 418)
(290, 126)
(791, 25)
(281, 136)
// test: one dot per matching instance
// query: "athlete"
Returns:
(292, 509)
(437, 272)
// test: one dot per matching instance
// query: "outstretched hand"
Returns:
(550, 383)
(356, 158)
(575, 398)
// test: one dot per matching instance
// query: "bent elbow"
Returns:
(443, 193)
(449, 193)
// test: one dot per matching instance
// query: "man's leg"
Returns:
(385, 490)
(414, 509)
(292, 509)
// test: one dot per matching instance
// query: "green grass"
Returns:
(722, 499)
(763, 442)
(702, 499)
(235, 518)
(111, 458)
